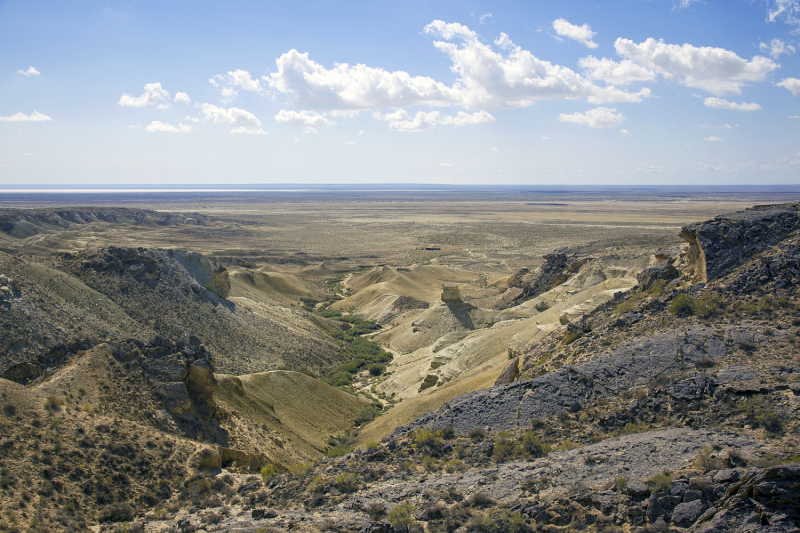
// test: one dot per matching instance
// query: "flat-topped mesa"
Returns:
(450, 293)
(718, 246)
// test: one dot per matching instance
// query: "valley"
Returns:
(381, 361)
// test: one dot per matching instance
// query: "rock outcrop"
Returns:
(29, 222)
(718, 246)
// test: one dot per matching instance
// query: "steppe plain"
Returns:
(379, 256)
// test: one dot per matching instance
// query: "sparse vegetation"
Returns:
(759, 413)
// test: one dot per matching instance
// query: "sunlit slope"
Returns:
(420, 282)
(269, 283)
(295, 407)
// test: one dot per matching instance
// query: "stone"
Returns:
(685, 514)
(637, 489)
(509, 373)
(692, 495)
(726, 476)
(660, 271)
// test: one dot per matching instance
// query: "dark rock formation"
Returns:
(634, 365)
(765, 500)
(660, 271)
(718, 246)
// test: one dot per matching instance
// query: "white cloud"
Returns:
(158, 126)
(714, 70)
(599, 117)
(235, 80)
(793, 84)
(492, 80)
(400, 120)
(232, 116)
(296, 140)
(247, 130)
(483, 18)
(183, 97)
(615, 73)
(487, 79)
(721, 103)
(795, 116)
(446, 164)
(22, 117)
(356, 87)
(304, 118)
(153, 95)
(30, 72)
(776, 47)
(349, 142)
(27, 154)
(625, 133)
(360, 133)
(582, 34)
(788, 10)
(714, 139)
(308, 130)
(192, 119)
(495, 149)
(681, 4)
(545, 138)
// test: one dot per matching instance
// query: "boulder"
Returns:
(686, 513)
(660, 271)
(509, 373)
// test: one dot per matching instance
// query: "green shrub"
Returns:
(660, 482)
(425, 439)
(371, 445)
(317, 484)
(503, 446)
(376, 369)
(704, 462)
(621, 484)
(567, 445)
(54, 403)
(368, 414)
(682, 305)
(402, 517)
(759, 413)
(267, 473)
(531, 445)
(346, 482)
(498, 521)
(301, 471)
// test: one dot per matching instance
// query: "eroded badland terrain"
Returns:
(400, 361)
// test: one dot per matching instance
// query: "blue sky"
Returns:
(571, 92)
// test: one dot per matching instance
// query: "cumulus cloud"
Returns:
(242, 122)
(353, 87)
(30, 72)
(304, 118)
(582, 34)
(157, 126)
(721, 103)
(308, 130)
(22, 117)
(715, 70)
(714, 139)
(183, 97)
(360, 133)
(153, 95)
(483, 18)
(599, 117)
(401, 121)
(625, 133)
(776, 47)
(235, 80)
(615, 73)
(515, 78)
(488, 78)
(793, 84)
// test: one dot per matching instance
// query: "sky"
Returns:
(623, 92)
